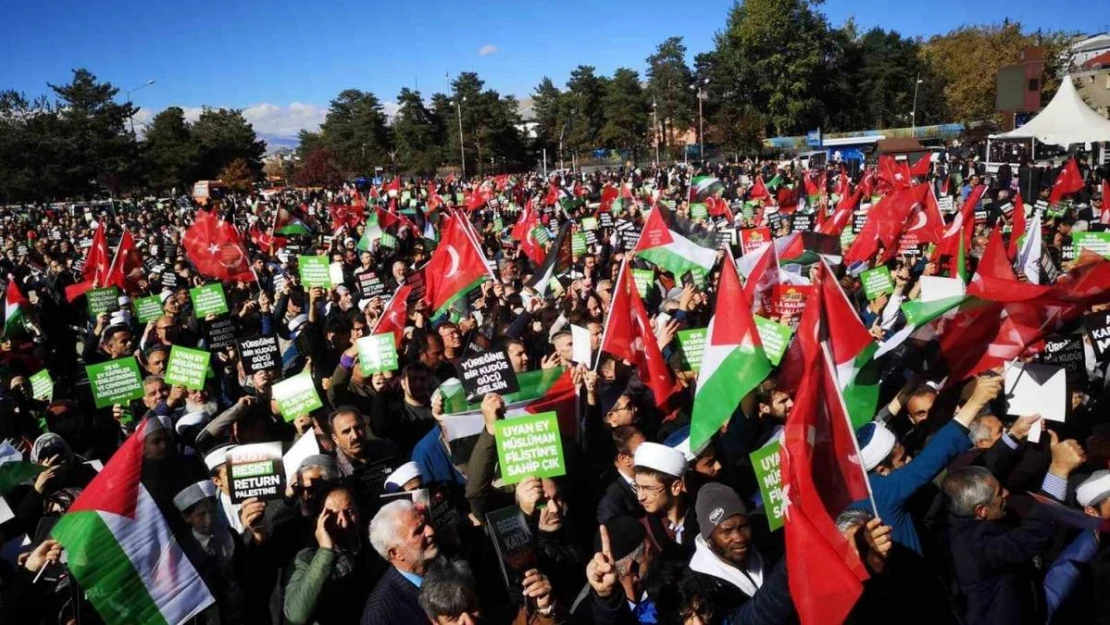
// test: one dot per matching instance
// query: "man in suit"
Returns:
(402, 536)
(620, 496)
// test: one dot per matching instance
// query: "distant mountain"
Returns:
(277, 142)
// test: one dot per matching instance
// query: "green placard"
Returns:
(187, 367)
(691, 344)
(529, 447)
(115, 382)
(208, 300)
(388, 241)
(876, 282)
(498, 224)
(589, 223)
(148, 308)
(774, 336)
(699, 211)
(541, 235)
(102, 300)
(765, 461)
(406, 196)
(314, 270)
(847, 237)
(296, 396)
(377, 354)
(644, 279)
(42, 386)
(578, 243)
(1097, 242)
(460, 198)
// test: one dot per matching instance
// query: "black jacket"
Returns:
(394, 600)
(992, 566)
(619, 500)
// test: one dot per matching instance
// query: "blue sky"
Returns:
(283, 61)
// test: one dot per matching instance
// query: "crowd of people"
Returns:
(976, 514)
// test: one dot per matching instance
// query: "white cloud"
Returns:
(487, 50)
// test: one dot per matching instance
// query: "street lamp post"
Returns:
(132, 117)
(701, 118)
(913, 113)
(462, 145)
(655, 127)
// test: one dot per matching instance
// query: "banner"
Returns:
(774, 336)
(691, 347)
(529, 447)
(208, 300)
(296, 396)
(148, 308)
(258, 354)
(377, 353)
(314, 271)
(877, 282)
(255, 471)
(752, 239)
(115, 382)
(42, 386)
(488, 372)
(187, 367)
(765, 463)
(102, 300)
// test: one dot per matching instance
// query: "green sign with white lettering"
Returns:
(208, 300)
(765, 462)
(529, 447)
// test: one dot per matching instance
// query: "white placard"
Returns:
(935, 288)
(1036, 389)
(306, 446)
(581, 350)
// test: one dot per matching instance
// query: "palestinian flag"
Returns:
(542, 390)
(289, 224)
(559, 259)
(759, 190)
(670, 251)
(14, 470)
(702, 187)
(14, 305)
(122, 552)
(775, 182)
(733, 362)
(628, 336)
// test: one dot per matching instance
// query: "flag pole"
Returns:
(609, 317)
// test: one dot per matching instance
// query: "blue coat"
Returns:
(435, 464)
(893, 490)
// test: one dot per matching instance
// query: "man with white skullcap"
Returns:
(216, 462)
(406, 478)
(662, 493)
(197, 505)
(1093, 495)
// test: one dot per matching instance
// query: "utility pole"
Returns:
(462, 145)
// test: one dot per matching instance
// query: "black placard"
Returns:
(221, 333)
(369, 284)
(416, 281)
(1067, 352)
(802, 223)
(591, 237)
(255, 472)
(259, 353)
(1067, 253)
(605, 220)
(488, 372)
(858, 221)
(514, 543)
(774, 222)
(1098, 327)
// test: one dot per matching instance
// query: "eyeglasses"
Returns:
(649, 489)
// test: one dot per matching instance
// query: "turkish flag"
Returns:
(759, 190)
(609, 194)
(456, 266)
(127, 261)
(628, 336)
(214, 247)
(962, 226)
(821, 476)
(522, 231)
(1067, 182)
(347, 215)
(395, 315)
(96, 267)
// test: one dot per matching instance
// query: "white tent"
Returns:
(1066, 120)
